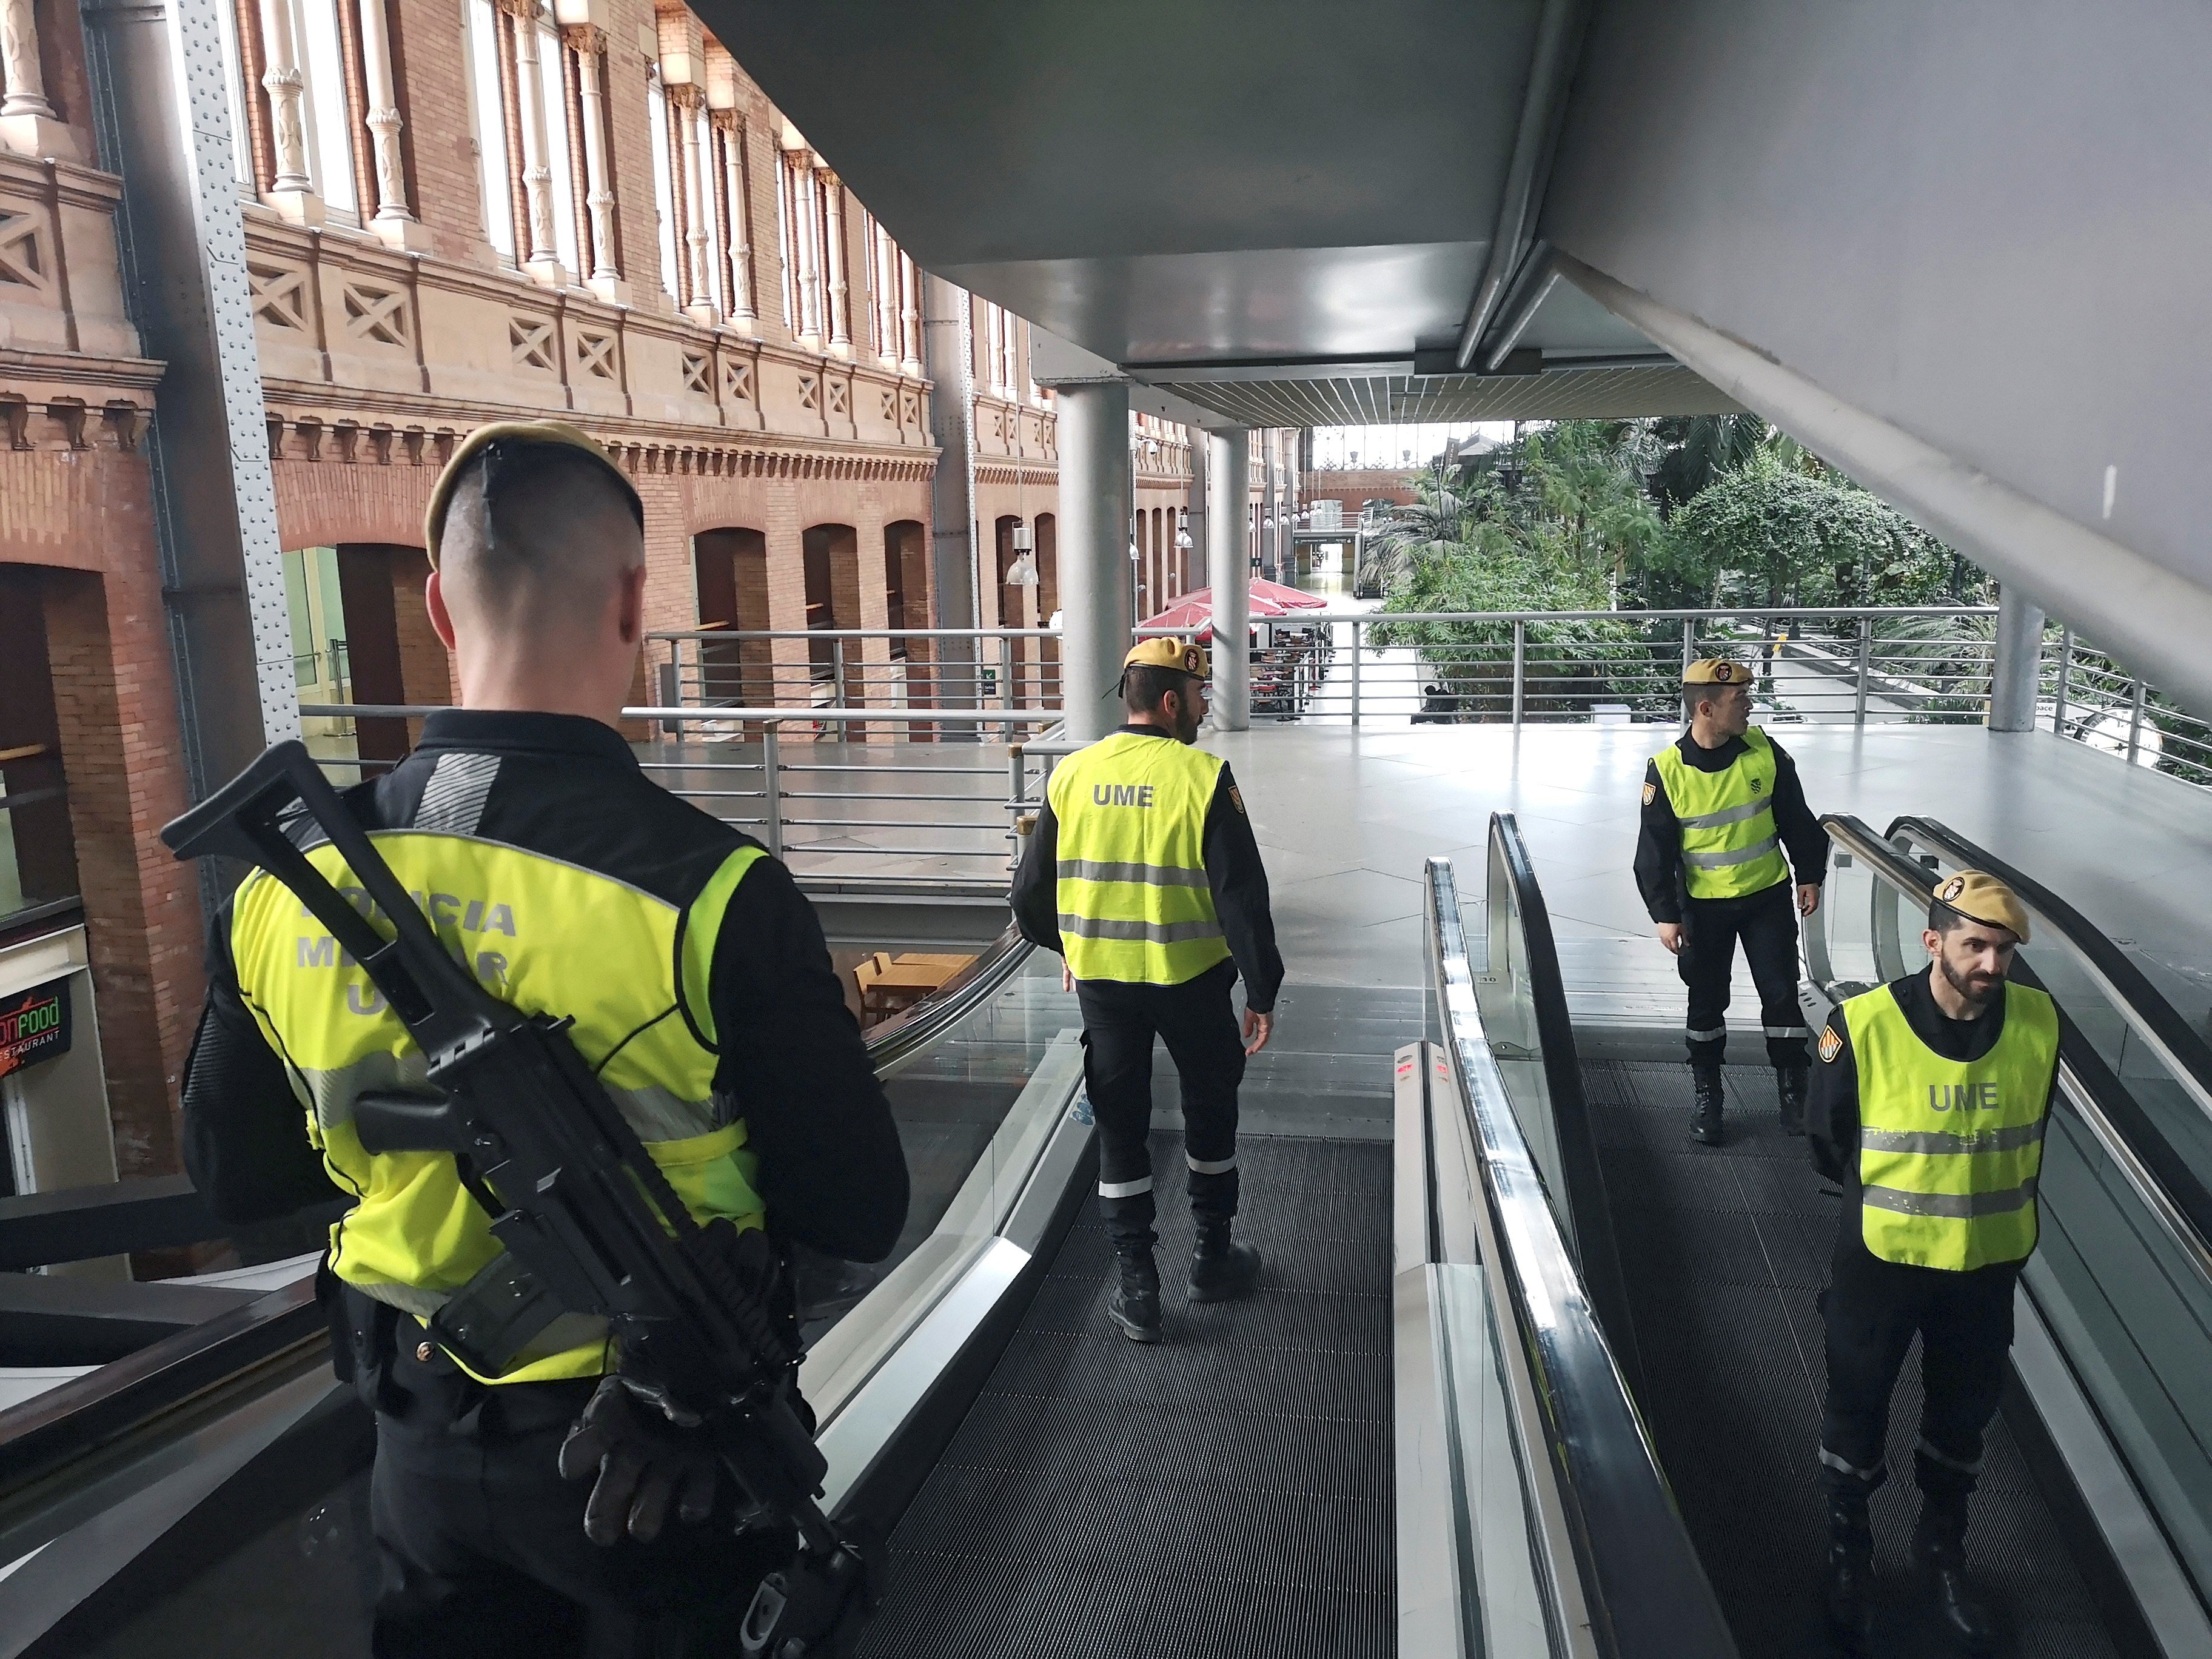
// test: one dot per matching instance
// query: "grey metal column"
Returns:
(1270, 535)
(949, 360)
(2016, 670)
(1228, 460)
(1095, 584)
(162, 113)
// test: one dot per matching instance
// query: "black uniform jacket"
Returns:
(832, 1173)
(1832, 1118)
(1659, 843)
(1233, 871)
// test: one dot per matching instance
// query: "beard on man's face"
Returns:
(1975, 987)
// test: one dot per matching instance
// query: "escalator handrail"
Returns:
(1647, 1592)
(2158, 1021)
(2176, 1196)
(1597, 1244)
(137, 1393)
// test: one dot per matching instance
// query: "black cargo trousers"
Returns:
(1197, 1022)
(480, 1545)
(1766, 922)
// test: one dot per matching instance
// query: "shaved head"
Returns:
(550, 557)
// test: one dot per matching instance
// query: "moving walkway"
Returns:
(1533, 1376)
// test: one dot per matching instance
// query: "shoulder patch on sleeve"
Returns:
(1651, 793)
(1832, 1044)
(1236, 799)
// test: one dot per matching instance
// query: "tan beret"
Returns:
(1982, 897)
(1166, 653)
(1716, 670)
(557, 434)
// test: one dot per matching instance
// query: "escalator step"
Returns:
(1225, 1495)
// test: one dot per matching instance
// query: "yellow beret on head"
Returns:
(1716, 670)
(1982, 897)
(1166, 653)
(544, 434)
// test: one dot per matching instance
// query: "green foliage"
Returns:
(1767, 534)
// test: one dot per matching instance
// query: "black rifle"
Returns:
(589, 1223)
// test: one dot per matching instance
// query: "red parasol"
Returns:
(1290, 599)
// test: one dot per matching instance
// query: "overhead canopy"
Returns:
(1958, 255)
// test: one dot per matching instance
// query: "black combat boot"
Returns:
(1221, 1270)
(1850, 1568)
(1706, 1121)
(1939, 1552)
(1136, 1304)
(1790, 1084)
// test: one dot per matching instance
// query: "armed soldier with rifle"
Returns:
(577, 1052)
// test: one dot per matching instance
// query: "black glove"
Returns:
(643, 1461)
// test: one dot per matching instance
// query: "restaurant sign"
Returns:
(34, 1025)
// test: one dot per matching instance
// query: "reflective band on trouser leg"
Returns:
(1133, 899)
(1730, 847)
(1787, 1030)
(1935, 1454)
(1210, 1166)
(1843, 1467)
(1950, 1150)
(1713, 1036)
(1124, 1189)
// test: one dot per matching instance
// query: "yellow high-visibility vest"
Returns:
(1730, 848)
(549, 937)
(1134, 902)
(1949, 1150)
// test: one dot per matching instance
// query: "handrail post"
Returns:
(837, 671)
(1006, 698)
(1520, 669)
(1017, 776)
(2135, 722)
(772, 790)
(1689, 643)
(2065, 677)
(1355, 671)
(1866, 664)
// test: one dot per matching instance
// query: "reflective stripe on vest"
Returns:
(1950, 1150)
(637, 992)
(1134, 898)
(1729, 845)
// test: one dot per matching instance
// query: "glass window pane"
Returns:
(487, 124)
(329, 149)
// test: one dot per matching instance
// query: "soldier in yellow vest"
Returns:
(1142, 872)
(1722, 806)
(532, 1513)
(1928, 1109)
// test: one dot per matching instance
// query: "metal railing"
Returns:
(859, 814)
(1002, 668)
(2085, 696)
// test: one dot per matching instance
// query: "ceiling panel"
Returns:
(1379, 400)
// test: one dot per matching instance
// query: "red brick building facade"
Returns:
(454, 214)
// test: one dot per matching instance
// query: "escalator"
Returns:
(1704, 1264)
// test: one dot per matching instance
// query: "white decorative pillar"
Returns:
(687, 101)
(27, 120)
(841, 315)
(292, 192)
(1095, 594)
(740, 230)
(598, 196)
(395, 222)
(909, 314)
(543, 259)
(804, 233)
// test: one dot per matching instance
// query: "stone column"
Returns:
(2015, 676)
(293, 193)
(909, 314)
(395, 222)
(27, 122)
(841, 316)
(805, 239)
(598, 195)
(1093, 551)
(543, 258)
(686, 101)
(1227, 468)
(884, 254)
(739, 231)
